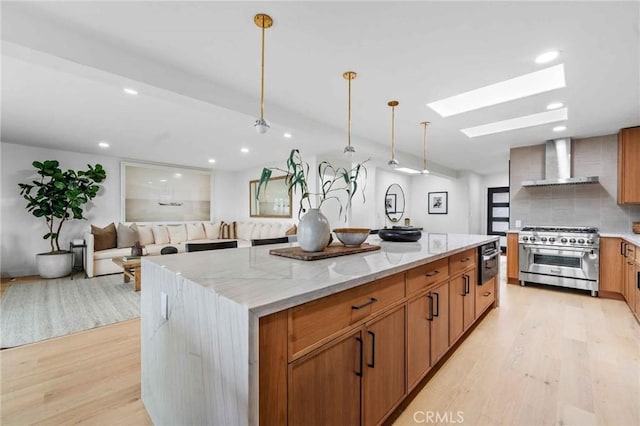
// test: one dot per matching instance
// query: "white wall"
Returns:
(21, 231)
(457, 220)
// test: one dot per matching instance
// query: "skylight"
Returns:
(519, 87)
(517, 123)
(407, 170)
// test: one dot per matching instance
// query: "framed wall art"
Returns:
(274, 201)
(152, 193)
(438, 202)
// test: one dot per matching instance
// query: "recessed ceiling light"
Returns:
(287, 135)
(212, 160)
(559, 128)
(244, 150)
(547, 57)
(517, 123)
(407, 170)
(519, 87)
(130, 91)
(103, 144)
(163, 180)
(178, 175)
(555, 105)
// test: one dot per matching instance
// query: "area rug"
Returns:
(30, 312)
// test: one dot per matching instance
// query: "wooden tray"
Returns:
(333, 250)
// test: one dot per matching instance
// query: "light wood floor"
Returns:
(544, 357)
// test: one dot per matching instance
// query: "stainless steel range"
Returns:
(560, 256)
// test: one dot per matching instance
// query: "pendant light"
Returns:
(424, 152)
(393, 162)
(349, 150)
(263, 21)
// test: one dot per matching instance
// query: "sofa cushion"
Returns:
(127, 236)
(245, 230)
(212, 230)
(104, 238)
(195, 231)
(177, 233)
(110, 253)
(160, 234)
(145, 234)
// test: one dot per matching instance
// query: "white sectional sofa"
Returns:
(100, 263)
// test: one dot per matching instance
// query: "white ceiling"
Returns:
(196, 65)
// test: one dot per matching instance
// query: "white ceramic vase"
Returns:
(313, 231)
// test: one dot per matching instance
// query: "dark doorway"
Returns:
(498, 214)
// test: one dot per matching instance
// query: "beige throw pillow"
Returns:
(212, 230)
(195, 231)
(177, 233)
(127, 235)
(161, 234)
(145, 234)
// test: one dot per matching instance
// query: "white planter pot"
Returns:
(313, 231)
(53, 265)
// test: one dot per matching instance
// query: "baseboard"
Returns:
(610, 295)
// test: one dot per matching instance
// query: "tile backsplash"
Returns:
(571, 205)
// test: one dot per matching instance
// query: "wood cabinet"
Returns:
(629, 275)
(637, 288)
(628, 171)
(462, 303)
(439, 317)
(512, 258)
(611, 253)
(418, 339)
(324, 387)
(384, 366)
(486, 295)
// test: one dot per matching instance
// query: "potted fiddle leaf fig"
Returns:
(313, 229)
(58, 196)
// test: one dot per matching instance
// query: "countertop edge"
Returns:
(630, 238)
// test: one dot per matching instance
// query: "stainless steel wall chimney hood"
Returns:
(557, 166)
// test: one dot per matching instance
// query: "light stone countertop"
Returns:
(265, 283)
(630, 238)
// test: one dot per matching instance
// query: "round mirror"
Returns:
(394, 203)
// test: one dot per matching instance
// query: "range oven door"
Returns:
(567, 262)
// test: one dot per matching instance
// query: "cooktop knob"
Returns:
(589, 241)
(551, 239)
(525, 238)
(572, 241)
(543, 239)
(581, 241)
(533, 238)
(564, 240)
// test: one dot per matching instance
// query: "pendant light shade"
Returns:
(393, 163)
(424, 170)
(349, 150)
(263, 22)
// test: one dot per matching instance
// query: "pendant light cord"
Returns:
(262, 76)
(393, 132)
(424, 141)
(349, 120)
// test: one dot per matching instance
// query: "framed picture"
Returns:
(152, 193)
(390, 203)
(437, 243)
(274, 201)
(438, 202)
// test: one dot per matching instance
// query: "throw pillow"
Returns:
(224, 230)
(233, 230)
(177, 233)
(195, 231)
(104, 238)
(160, 234)
(292, 231)
(127, 236)
(145, 234)
(212, 230)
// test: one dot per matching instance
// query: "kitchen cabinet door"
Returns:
(628, 171)
(512, 258)
(470, 298)
(630, 279)
(418, 339)
(325, 387)
(384, 375)
(611, 250)
(457, 293)
(439, 300)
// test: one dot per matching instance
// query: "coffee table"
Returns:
(131, 268)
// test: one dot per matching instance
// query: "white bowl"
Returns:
(352, 237)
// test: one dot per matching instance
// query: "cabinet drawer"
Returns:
(485, 295)
(637, 254)
(314, 321)
(421, 277)
(461, 261)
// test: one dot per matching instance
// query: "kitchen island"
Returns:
(240, 336)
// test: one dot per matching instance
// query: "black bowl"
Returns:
(400, 235)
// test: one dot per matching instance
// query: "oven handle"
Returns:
(563, 248)
(490, 256)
